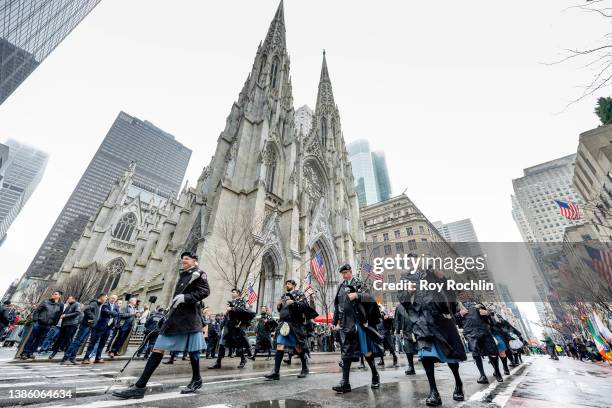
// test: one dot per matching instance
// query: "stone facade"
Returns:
(292, 191)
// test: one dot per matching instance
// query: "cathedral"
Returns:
(278, 193)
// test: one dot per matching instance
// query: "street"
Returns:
(538, 382)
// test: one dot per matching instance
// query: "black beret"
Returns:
(190, 254)
(345, 267)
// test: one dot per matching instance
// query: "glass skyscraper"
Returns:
(161, 163)
(382, 175)
(363, 172)
(370, 173)
(23, 170)
(29, 31)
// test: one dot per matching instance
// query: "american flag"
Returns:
(252, 295)
(308, 290)
(568, 210)
(317, 268)
(366, 268)
(602, 261)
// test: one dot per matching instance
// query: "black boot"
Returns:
(434, 399)
(132, 392)
(458, 393)
(278, 359)
(482, 380)
(375, 376)
(219, 358)
(242, 361)
(304, 373)
(344, 385)
(172, 358)
(410, 370)
(192, 387)
(505, 364)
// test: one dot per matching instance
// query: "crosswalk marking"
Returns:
(86, 380)
(147, 398)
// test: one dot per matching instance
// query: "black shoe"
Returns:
(375, 381)
(381, 363)
(303, 373)
(361, 367)
(458, 393)
(395, 361)
(53, 353)
(132, 392)
(288, 362)
(342, 388)
(272, 377)
(192, 387)
(410, 372)
(215, 366)
(498, 377)
(73, 361)
(434, 399)
(242, 362)
(483, 380)
(169, 362)
(506, 372)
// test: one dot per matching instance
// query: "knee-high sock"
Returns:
(455, 369)
(152, 363)
(194, 359)
(361, 358)
(346, 370)
(478, 361)
(429, 365)
(494, 360)
(505, 363)
(302, 356)
(372, 364)
(278, 359)
(410, 358)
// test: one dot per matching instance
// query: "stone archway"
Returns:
(324, 293)
(271, 285)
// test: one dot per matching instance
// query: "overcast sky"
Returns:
(456, 93)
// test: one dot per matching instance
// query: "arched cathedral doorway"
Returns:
(271, 285)
(324, 293)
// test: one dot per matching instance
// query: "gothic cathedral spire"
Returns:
(325, 96)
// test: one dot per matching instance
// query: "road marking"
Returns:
(87, 380)
(147, 398)
(502, 398)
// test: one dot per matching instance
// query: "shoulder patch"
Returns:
(203, 275)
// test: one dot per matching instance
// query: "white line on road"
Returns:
(502, 398)
(147, 398)
(87, 380)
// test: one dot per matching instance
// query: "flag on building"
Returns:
(318, 268)
(366, 269)
(308, 289)
(601, 262)
(568, 210)
(252, 295)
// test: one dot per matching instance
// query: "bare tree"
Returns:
(237, 255)
(33, 294)
(325, 292)
(84, 285)
(598, 58)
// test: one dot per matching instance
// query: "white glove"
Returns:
(178, 299)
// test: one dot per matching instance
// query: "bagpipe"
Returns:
(299, 297)
(239, 313)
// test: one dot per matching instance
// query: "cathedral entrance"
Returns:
(271, 285)
(324, 293)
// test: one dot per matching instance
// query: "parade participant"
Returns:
(294, 312)
(181, 328)
(386, 329)
(436, 333)
(477, 331)
(233, 335)
(357, 313)
(403, 327)
(502, 331)
(264, 328)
